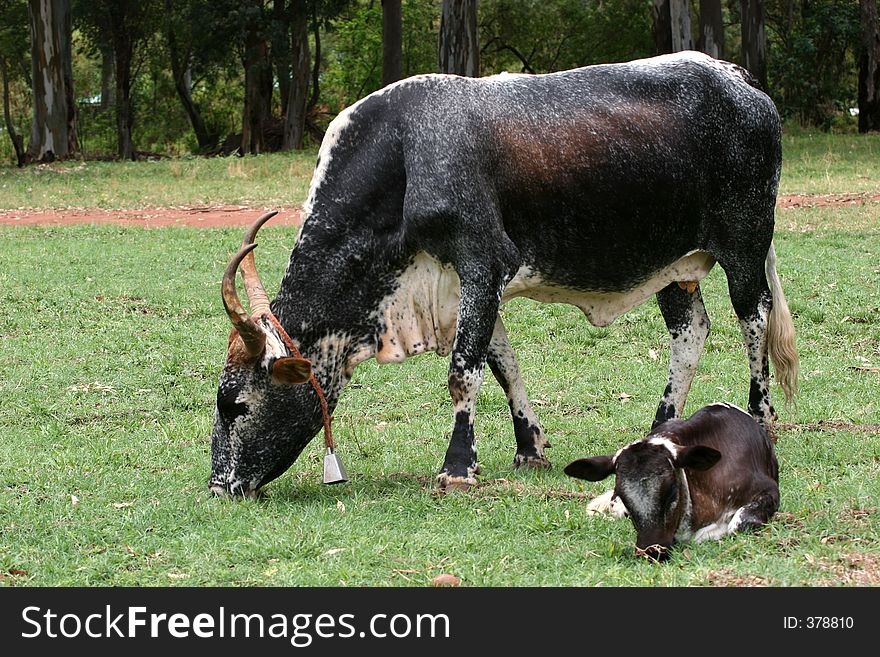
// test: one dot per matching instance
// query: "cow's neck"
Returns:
(329, 294)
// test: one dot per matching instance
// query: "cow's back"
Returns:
(601, 175)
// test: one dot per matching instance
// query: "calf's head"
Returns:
(651, 482)
(264, 416)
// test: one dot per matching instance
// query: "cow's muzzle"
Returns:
(231, 489)
(654, 552)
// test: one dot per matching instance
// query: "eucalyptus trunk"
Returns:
(869, 68)
(53, 130)
(711, 28)
(459, 49)
(392, 41)
(295, 117)
(754, 40)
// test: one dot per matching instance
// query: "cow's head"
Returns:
(264, 416)
(652, 485)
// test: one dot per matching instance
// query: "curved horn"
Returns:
(257, 297)
(251, 334)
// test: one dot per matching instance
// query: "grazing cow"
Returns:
(696, 479)
(438, 198)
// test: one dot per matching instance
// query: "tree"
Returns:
(392, 41)
(459, 50)
(181, 53)
(754, 40)
(711, 28)
(13, 53)
(680, 14)
(672, 26)
(126, 25)
(53, 130)
(535, 36)
(869, 68)
(257, 78)
(296, 105)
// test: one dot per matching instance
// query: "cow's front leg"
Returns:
(478, 309)
(530, 440)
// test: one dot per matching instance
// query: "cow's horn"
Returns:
(256, 293)
(251, 334)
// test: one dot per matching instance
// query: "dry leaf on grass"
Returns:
(445, 579)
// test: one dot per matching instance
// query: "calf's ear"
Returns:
(697, 457)
(591, 469)
(291, 370)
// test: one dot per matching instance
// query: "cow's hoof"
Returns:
(531, 462)
(449, 484)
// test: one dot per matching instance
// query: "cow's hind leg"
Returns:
(530, 440)
(688, 324)
(752, 303)
(757, 512)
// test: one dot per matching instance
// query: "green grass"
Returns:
(111, 344)
(816, 163)
(279, 179)
(109, 374)
(823, 163)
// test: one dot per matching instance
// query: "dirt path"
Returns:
(240, 215)
(200, 217)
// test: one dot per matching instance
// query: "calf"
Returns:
(701, 478)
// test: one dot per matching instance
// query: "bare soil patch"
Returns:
(240, 215)
(197, 217)
(826, 200)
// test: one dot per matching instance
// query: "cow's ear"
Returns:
(289, 370)
(595, 468)
(697, 457)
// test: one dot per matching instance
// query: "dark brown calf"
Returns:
(697, 479)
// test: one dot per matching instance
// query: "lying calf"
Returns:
(701, 478)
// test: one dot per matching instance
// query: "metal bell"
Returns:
(334, 473)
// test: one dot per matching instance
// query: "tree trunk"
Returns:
(123, 52)
(315, 93)
(295, 118)
(392, 41)
(672, 26)
(281, 54)
(680, 15)
(869, 68)
(53, 131)
(181, 71)
(108, 86)
(257, 92)
(711, 28)
(20, 156)
(459, 48)
(754, 40)
(662, 27)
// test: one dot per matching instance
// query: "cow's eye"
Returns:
(228, 405)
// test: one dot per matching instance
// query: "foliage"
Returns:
(354, 66)
(814, 48)
(539, 37)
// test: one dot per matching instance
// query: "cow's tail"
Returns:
(780, 334)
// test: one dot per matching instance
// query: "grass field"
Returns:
(112, 340)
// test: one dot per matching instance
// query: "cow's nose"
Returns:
(655, 552)
(235, 488)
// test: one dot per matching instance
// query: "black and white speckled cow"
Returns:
(697, 479)
(438, 198)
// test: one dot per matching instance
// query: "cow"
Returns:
(697, 479)
(438, 198)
